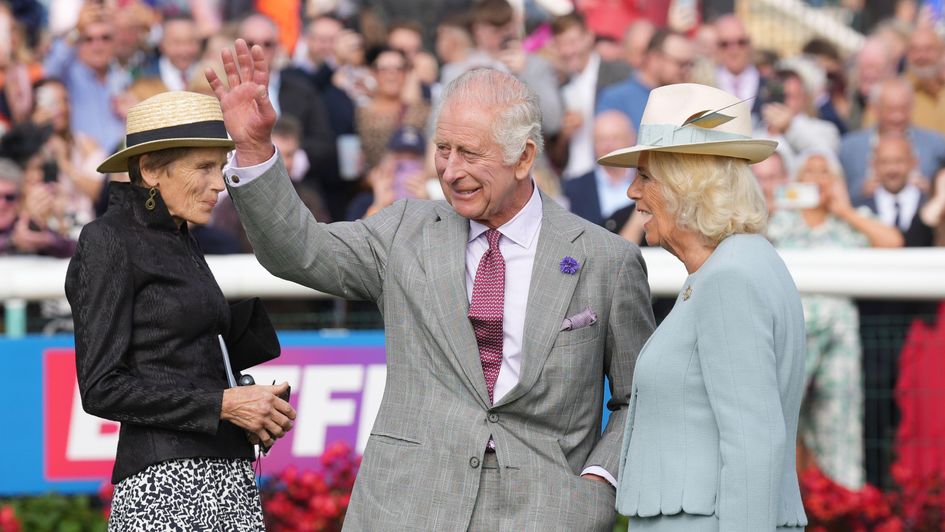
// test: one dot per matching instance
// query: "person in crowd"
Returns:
(897, 201)
(873, 65)
(933, 214)
(70, 157)
(18, 71)
(636, 40)
(89, 69)
(400, 174)
(717, 388)
(787, 112)
(609, 49)
(831, 430)
(892, 101)
(925, 60)
(20, 234)
(179, 53)
(455, 49)
(447, 368)
(133, 23)
(353, 75)
(772, 174)
(293, 96)
(735, 73)
(496, 33)
(392, 106)
(406, 36)
(148, 311)
(833, 104)
(587, 75)
(669, 59)
(596, 195)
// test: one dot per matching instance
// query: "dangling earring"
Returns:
(150, 203)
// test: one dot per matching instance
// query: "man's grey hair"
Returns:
(10, 171)
(518, 115)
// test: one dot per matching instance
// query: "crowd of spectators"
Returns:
(355, 84)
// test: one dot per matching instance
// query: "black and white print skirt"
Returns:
(205, 494)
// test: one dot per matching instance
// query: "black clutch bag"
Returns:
(251, 339)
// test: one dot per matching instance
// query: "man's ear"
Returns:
(523, 167)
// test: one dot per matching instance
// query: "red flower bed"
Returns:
(8, 520)
(916, 504)
(296, 501)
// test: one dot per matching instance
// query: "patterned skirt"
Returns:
(206, 494)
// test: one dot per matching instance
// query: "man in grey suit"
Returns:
(503, 314)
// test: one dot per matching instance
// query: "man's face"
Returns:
(770, 174)
(9, 192)
(491, 39)
(612, 131)
(925, 54)
(872, 66)
(574, 47)
(475, 178)
(96, 47)
(635, 43)
(674, 62)
(321, 38)
(795, 96)
(734, 45)
(407, 41)
(287, 146)
(179, 43)
(894, 109)
(892, 163)
(259, 31)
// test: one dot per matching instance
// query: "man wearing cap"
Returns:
(503, 314)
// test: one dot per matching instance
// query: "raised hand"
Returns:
(247, 112)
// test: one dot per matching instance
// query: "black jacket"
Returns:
(147, 313)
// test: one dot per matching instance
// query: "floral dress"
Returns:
(831, 421)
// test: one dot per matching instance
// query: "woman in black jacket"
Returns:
(148, 313)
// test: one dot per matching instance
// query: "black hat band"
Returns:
(210, 129)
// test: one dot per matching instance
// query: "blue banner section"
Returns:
(52, 445)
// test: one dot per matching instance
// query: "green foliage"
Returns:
(58, 513)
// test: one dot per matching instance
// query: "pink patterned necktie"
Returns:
(486, 310)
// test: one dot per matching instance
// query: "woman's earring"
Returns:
(150, 203)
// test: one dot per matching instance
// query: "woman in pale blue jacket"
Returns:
(709, 443)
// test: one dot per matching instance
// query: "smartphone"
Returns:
(404, 170)
(797, 196)
(774, 91)
(50, 171)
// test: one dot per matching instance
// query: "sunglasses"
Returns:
(741, 43)
(9, 198)
(264, 44)
(85, 39)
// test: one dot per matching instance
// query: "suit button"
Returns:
(474, 462)
(235, 179)
(493, 417)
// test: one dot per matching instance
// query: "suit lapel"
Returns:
(444, 251)
(550, 292)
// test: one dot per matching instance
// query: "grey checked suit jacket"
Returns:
(421, 467)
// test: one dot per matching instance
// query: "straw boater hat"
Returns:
(697, 119)
(177, 119)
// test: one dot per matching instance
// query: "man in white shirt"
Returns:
(574, 44)
(735, 73)
(491, 415)
(180, 50)
(897, 200)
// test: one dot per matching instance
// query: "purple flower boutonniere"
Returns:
(569, 265)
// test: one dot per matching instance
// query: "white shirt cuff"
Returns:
(237, 176)
(601, 472)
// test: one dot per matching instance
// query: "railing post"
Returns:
(15, 317)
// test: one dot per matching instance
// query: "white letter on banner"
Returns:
(87, 440)
(317, 410)
(370, 402)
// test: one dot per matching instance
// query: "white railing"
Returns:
(797, 22)
(917, 273)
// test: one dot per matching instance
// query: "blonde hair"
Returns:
(712, 195)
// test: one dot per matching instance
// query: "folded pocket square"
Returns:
(582, 319)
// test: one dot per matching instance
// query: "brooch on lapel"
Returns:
(687, 293)
(569, 265)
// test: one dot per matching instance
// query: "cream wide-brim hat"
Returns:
(178, 119)
(671, 123)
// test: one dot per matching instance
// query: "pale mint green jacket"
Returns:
(716, 396)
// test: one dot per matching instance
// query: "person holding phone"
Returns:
(830, 432)
(788, 114)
